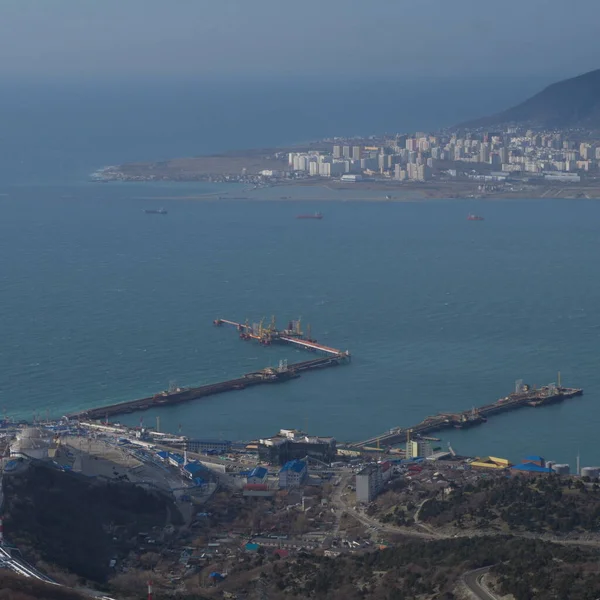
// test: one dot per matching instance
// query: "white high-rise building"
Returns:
(418, 448)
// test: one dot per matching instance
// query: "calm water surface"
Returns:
(102, 303)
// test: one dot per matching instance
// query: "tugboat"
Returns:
(155, 211)
(316, 215)
(474, 218)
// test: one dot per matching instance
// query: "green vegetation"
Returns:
(79, 523)
(528, 569)
(547, 504)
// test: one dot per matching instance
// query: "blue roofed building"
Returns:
(534, 460)
(529, 469)
(162, 455)
(257, 475)
(176, 459)
(293, 474)
(194, 469)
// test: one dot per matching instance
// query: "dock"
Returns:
(283, 372)
(292, 335)
(523, 396)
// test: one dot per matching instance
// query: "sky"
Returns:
(95, 39)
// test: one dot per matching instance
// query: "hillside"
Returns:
(417, 570)
(544, 505)
(79, 523)
(571, 103)
(15, 587)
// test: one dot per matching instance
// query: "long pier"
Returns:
(522, 397)
(265, 335)
(293, 335)
(283, 372)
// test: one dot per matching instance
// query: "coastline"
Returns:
(245, 167)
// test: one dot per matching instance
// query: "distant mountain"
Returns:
(570, 103)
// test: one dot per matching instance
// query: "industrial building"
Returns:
(370, 481)
(200, 446)
(293, 474)
(531, 465)
(31, 442)
(291, 444)
(529, 469)
(194, 470)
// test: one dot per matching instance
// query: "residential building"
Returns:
(356, 153)
(418, 448)
(293, 474)
(337, 152)
(368, 484)
(484, 153)
(258, 475)
(370, 481)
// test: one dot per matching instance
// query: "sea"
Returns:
(101, 303)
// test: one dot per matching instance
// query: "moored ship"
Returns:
(316, 215)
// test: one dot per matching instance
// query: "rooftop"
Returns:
(259, 472)
(531, 468)
(297, 466)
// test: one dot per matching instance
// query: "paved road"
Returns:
(472, 580)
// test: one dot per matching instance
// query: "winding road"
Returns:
(473, 581)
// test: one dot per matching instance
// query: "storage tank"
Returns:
(561, 469)
(591, 472)
(31, 442)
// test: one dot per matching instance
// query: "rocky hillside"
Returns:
(571, 103)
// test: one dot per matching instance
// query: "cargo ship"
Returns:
(466, 421)
(474, 218)
(316, 215)
(155, 211)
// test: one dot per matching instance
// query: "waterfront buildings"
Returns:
(208, 445)
(290, 444)
(418, 448)
(550, 156)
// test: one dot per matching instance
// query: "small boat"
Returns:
(474, 218)
(316, 215)
(155, 211)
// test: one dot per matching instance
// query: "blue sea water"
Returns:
(101, 303)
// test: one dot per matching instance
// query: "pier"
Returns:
(522, 396)
(293, 335)
(178, 395)
(265, 335)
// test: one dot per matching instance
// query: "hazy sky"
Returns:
(396, 38)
